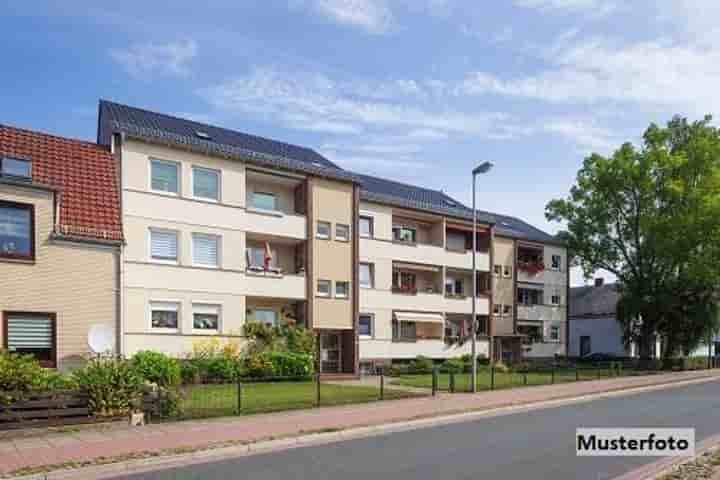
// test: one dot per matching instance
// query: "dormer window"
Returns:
(16, 168)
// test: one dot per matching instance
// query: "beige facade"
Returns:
(503, 278)
(439, 256)
(76, 282)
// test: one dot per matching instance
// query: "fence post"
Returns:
(434, 381)
(317, 389)
(239, 397)
(525, 377)
(382, 385)
(452, 381)
(577, 372)
(552, 374)
(492, 375)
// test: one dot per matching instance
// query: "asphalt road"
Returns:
(538, 444)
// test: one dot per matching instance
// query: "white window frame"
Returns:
(552, 263)
(555, 296)
(272, 194)
(196, 168)
(319, 293)
(507, 307)
(323, 236)
(372, 325)
(267, 309)
(497, 270)
(177, 246)
(165, 306)
(218, 241)
(178, 168)
(507, 271)
(497, 309)
(371, 221)
(551, 337)
(371, 269)
(338, 237)
(347, 290)
(208, 306)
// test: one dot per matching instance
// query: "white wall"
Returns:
(605, 335)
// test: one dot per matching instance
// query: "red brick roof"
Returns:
(84, 173)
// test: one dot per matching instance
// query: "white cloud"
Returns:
(586, 135)
(595, 8)
(372, 16)
(303, 100)
(141, 60)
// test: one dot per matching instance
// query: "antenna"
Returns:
(101, 338)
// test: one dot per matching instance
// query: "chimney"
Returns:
(599, 282)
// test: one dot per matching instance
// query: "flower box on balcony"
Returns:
(531, 268)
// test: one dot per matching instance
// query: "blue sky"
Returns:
(413, 90)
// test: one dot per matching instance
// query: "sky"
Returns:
(418, 91)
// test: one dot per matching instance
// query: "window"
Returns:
(507, 271)
(164, 315)
(206, 250)
(264, 201)
(323, 288)
(17, 231)
(342, 232)
(555, 299)
(497, 270)
(555, 333)
(256, 258)
(164, 245)
(531, 333)
(404, 282)
(366, 227)
(32, 334)
(507, 310)
(206, 183)
(206, 317)
(496, 309)
(404, 331)
(265, 316)
(404, 234)
(323, 230)
(165, 176)
(365, 325)
(529, 296)
(342, 289)
(367, 275)
(16, 168)
(454, 287)
(556, 262)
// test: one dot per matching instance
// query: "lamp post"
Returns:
(480, 169)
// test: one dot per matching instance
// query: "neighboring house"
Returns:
(416, 273)
(530, 288)
(594, 327)
(60, 239)
(223, 228)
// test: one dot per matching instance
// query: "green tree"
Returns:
(651, 216)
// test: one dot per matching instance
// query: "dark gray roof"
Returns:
(168, 130)
(592, 301)
(380, 190)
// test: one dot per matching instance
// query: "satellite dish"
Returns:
(101, 338)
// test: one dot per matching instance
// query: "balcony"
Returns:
(275, 266)
(540, 312)
(275, 205)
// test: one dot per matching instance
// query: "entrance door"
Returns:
(330, 352)
(585, 346)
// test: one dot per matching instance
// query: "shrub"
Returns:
(113, 386)
(158, 368)
(288, 364)
(19, 373)
(220, 369)
(421, 365)
(257, 365)
(455, 365)
(190, 372)
(167, 401)
(299, 340)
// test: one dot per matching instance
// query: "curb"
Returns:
(208, 453)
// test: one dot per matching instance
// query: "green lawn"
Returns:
(221, 400)
(502, 380)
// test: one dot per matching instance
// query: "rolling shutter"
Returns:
(205, 250)
(29, 332)
(163, 244)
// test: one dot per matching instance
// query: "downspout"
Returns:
(116, 150)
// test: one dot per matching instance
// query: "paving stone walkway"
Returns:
(87, 444)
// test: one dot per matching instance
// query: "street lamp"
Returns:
(480, 169)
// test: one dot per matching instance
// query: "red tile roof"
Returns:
(84, 173)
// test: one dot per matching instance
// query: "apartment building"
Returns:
(530, 291)
(415, 274)
(60, 240)
(223, 228)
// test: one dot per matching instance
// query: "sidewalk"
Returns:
(86, 445)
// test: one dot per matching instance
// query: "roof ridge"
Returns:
(185, 119)
(61, 138)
